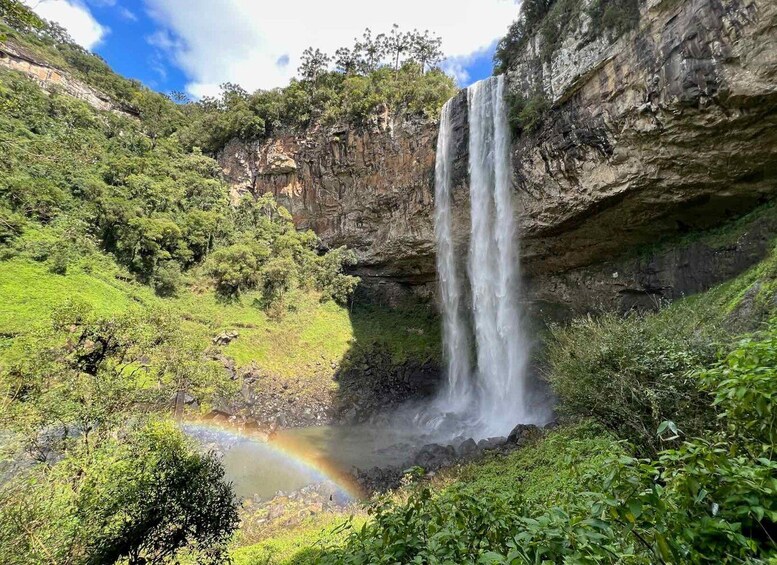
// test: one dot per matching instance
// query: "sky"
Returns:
(193, 46)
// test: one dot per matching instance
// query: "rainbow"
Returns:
(295, 449)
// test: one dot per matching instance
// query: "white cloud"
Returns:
(243, 41)
(128, 15)
(75, 17)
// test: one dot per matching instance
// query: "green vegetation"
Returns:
(554, 20)
(120, 259)
(304, 543)
(156, 208)
(630, 374)
(395, 73)
(111, 480)
(526, 114)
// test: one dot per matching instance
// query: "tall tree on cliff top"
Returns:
(426, 49)
(398, 44)
(313, 63)
(370, 51)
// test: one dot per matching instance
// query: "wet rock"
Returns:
(468, 449)
(435, 456)
(491, 443)
(378, 479)
(522, 434)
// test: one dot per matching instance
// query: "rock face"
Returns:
(670, 129)
(370, 189)
(48, 77)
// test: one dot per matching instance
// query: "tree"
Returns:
(312, 64)
(154, 495)
(426, 49)
(19, 16)
(370, 51)
(346, 60)
(397, 44)
(333, 284)
(233, 269)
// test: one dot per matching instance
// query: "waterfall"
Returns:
(456, 344)
(492, 395)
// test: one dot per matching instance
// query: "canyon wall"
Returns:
(670, 129)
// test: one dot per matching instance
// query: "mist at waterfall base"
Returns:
(488, 387)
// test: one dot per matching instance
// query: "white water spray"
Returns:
(492, 397)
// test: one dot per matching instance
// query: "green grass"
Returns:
(303, 343)
(309, 343)
(298, 544)
(30, 292)
(549, 472)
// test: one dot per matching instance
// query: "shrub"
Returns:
(153, 497)
(331, 281)
(11, 225)
(166, 278)
(233, 268)
(630, 374)
(142, 499)
(527, 114)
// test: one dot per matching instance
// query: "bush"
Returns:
(11, 225)
(142, 499)
(167, 278)
(233, 268)
(527, 114)
(58, 262)
(630, 374)
(153, 497)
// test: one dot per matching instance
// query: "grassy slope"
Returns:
(30, 292)
(301, 543)
(309, 343)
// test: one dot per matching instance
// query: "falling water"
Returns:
(457, 342)
(492, 396)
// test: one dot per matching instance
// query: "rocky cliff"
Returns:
(669, 129)
(371, 189)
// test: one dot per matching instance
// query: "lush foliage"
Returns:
(142, 497)
(630, 374)
(75, 398)
(158, 209)
(395, 73)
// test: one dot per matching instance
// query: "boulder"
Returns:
(468, 449)
(491, 443)
(434, 456)
(225, 338)
(522, 433)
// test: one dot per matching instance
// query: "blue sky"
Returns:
(195, 45)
